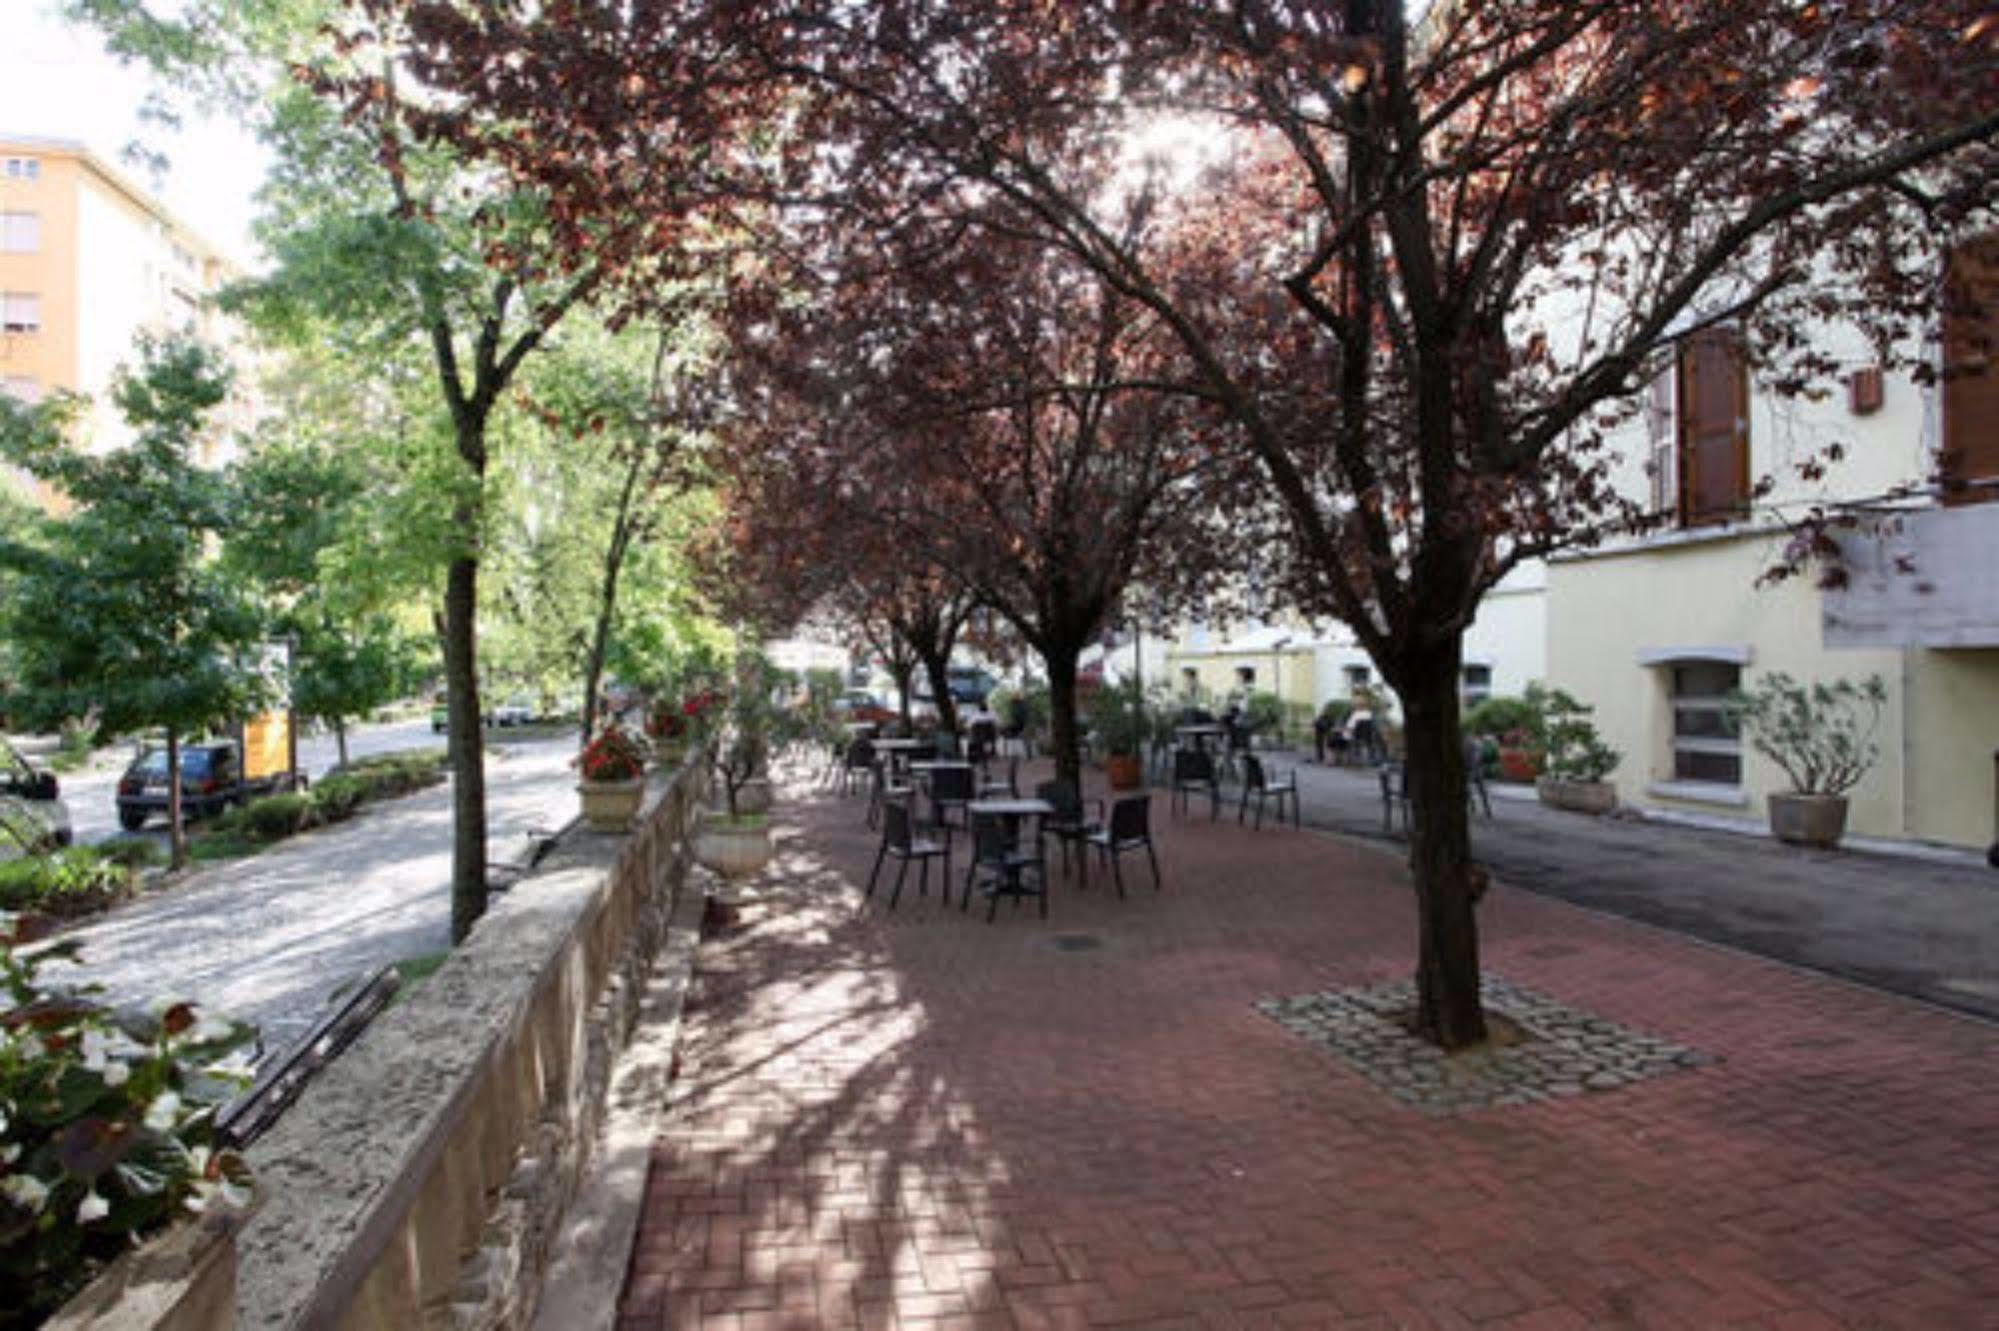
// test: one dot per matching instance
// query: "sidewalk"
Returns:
(921, 1120)
(1922, 928)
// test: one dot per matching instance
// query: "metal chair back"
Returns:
(1131, 820)
(951, 784)
(896, 825)
(1252, 772)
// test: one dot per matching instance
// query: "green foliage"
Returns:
(120, 613)
(336, 798)
(1264, 712)
(72, 882)
(1821, 734)
(108, 1129)
(1574, 750)
(1499, 717)
(276, 817)
(1118, 719)
(132, 852)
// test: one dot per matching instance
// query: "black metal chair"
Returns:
(890, 784)
(1265, 787)
(950, 792)
(1071, 823)
(1194, 769)
(899, 839)
(1130, 828)
(1001, 868)
(860, 757)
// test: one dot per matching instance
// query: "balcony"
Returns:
(1919, 579)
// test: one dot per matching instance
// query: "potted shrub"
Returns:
(614, 780)
(1508, 730)
(111, 1175)
(1575, 758)
(668, 725)
(1119, 723)
(1822, 735)
(736, 842)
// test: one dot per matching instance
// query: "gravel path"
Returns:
(267, 939)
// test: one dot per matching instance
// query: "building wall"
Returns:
(48, 357)
(1609, 614)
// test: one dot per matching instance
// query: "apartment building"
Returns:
(1654, 632)
(88, 260)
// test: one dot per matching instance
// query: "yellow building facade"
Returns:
(89, 261)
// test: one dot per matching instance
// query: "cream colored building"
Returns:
(1308, 666)
(88, 261)
(1654, 631)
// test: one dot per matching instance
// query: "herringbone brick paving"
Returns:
(920, 1120)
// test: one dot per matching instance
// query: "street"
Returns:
(268, 938)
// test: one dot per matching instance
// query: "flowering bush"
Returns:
(612, 756)
(107, 1128)
(667, 721)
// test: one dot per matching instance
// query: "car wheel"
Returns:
(131, 819)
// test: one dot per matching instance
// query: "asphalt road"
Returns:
(269, 938)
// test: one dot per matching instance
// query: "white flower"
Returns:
(197, 1161)
(25, 1191)
(163, 1112)
(10, 1153)
(95, 1047)
(3, 1118)
(93, 1207)
(206, 1029)
(116, 1073)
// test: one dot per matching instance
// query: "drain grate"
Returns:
(1077, 942)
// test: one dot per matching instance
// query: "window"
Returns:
(23, 168)
(1246, 676)
(1477, 684)
(20, 312)
(1712, 454)
(1707, 743)
(1190, 679)
(20, 233)
(1359, 677)
(1970, 461)
(1662, 465)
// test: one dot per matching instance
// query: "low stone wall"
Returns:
(419, 1181)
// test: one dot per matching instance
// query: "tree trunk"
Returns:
(1449, 1011)
(938, 668)
(176, 833)
(902, 673)
(1064, 735)
(466, 746)
(340, 738)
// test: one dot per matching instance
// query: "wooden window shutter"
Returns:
(1971, 373)
(1714, 428)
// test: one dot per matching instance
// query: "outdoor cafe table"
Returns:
(1010, 809)
(1199, 735)
(897, 751)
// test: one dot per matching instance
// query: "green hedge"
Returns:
(77, 881)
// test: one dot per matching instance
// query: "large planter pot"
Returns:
(733, 849)
(1125, 771)
(181, 1280)
(610, 806)
(754, 797)
(1522, 765)
(1808, 820)
(1594, 797)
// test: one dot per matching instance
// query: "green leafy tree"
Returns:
(120, 610)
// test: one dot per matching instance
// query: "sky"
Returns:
(56, 81)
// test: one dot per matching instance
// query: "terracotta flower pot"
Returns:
(1521, 765)
(1808, 820)
(1593, 797)
(610, 806)
(733, 849)
(1125, 771)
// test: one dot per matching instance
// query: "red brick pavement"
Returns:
(919, 1120)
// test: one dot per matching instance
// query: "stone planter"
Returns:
(1593, 797)
(181, 1280)
(1808, 820)
(733, 849)
(610, 806)
(1125, 771)
(754, 797)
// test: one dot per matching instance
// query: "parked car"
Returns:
(968, 685)
(858, 705)
(518, 710)
(33, 816)
(211, 779)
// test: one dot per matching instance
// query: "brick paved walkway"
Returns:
(920, 1120)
